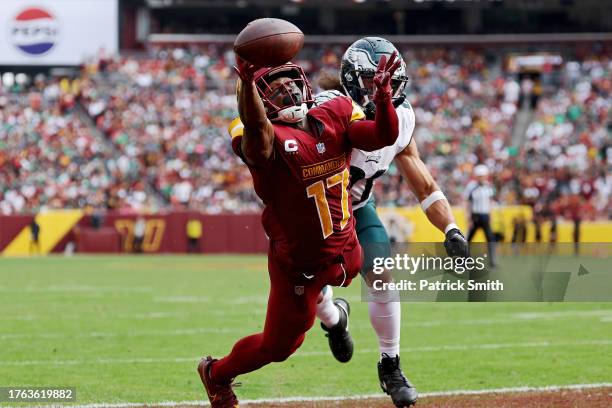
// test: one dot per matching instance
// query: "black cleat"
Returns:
(394, 383)
(340, 340)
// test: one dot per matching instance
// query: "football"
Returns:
(269, 42)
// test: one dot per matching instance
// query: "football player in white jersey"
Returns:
(357, 70)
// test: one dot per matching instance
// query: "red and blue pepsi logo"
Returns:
(34, 31)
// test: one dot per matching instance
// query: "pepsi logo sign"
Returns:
(34, 31)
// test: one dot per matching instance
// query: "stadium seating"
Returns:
(160, 137)
(51, 159)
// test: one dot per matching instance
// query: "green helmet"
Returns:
(359, 64)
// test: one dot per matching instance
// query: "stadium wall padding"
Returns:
(229, 233)
(10, 226)
(54, 225)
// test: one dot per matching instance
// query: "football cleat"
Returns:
(340, 340)
(395, 384)
(220, 395)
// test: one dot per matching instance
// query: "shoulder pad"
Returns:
(326, 96)
(357, 113)
(406, 104)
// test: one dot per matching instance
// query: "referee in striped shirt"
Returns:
(479, 194)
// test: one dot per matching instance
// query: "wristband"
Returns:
(432, 198)
(450, 226)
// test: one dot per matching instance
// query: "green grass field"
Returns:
(131, 329)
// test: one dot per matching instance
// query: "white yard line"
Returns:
(460, 347)
(511, 390)
(85, 316)
(183, 299)
(74, 288)
(451, 347)
(563, 313)
(150, 333)
(603, 315)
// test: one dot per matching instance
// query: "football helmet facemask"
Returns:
(358, 67)
(287, 100)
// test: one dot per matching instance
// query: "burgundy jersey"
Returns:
(305, 184)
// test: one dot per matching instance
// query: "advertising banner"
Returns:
(57, 32)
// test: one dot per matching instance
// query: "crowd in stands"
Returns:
(568, 153)
(168, 117)
(49, 157)
(462, 119)
(157, 135)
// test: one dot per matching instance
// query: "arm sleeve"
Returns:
(371, 135)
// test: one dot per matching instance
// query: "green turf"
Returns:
(132, 329)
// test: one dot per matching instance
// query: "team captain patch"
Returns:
(323, 168)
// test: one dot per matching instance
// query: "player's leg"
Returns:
(334, 315)
(383, 306)
(327, 311)
(576, 236)
(486, 226)
(291, 312)
(385, 314)
(473, 227)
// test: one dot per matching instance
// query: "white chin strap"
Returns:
(292, 114)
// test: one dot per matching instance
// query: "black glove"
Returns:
(456, 244)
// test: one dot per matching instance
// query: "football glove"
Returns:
(244, 69)
(382, 77)
(456, 244)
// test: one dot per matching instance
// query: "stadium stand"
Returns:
(51, 159)
(163, 117)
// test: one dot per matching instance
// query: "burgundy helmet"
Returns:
(294, 106)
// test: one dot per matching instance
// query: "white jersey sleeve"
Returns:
(407, 121)
(366, 167)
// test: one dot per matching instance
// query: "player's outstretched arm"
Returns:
(384, 130)
(258, 135)
(434, 203)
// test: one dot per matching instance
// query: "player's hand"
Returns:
(382, 77)
(456, 244)
(244, 69)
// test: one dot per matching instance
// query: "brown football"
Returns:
(269, 42)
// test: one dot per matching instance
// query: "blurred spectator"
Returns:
(34, 236)
(194, 233)
(140, 227)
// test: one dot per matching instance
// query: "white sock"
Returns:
(327, 312)
(386, 320)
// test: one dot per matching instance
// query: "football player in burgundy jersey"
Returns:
(299, 157)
